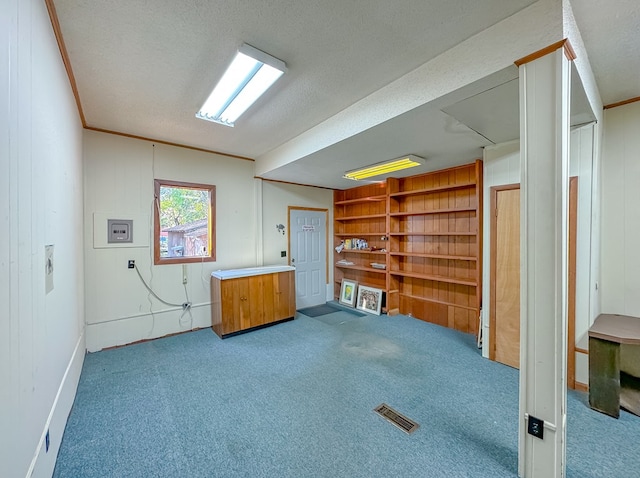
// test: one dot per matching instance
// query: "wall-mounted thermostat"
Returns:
(119, 230)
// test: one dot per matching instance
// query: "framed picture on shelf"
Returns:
(369, 299)
(348, 292)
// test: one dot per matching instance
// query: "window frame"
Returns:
(157, 260)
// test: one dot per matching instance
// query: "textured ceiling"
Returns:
(611, 34)
(145, 67)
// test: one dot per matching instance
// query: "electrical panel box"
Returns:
(119, 231)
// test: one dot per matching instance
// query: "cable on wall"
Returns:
(186, 306)
(151, 239)
(156, 295)
(205, 280)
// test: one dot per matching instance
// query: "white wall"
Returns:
(276, 198)
(621, 220)
(41, 335)
(119, 175)
(502, 166)
(621, 211)
(581, 164)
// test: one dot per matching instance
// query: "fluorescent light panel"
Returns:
(385, 167)
(250, 74)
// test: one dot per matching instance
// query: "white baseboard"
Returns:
(44, 461)
(127, 330)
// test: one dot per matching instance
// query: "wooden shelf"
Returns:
(361, 234)
(355, 218)
(437, 189)
(362, 251)
(448, 233)
(368, 284)
(434, 256)
(443, 302)
(433, 211)
(361, 268)
(450, 280)
(363, 200)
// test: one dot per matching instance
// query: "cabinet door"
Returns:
(261, 300)
(284, 295)
(235, 305)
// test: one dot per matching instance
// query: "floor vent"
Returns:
(399, 420)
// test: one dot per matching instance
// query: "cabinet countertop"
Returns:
(250, 271)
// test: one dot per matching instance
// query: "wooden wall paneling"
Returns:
(439, 312)
(451, 317)
(461, 321)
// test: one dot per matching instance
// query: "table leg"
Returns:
(604, 376)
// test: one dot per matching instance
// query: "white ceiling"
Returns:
(144, 68)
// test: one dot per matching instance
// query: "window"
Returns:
(184, 222)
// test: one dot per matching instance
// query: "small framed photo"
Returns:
(348, 292)
(369, 299)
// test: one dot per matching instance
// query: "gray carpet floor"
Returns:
(297, 400)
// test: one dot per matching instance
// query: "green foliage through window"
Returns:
(179, 206)
(185, 222)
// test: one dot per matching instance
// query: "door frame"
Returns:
(326, 233)
(571, 298)
(571, 285)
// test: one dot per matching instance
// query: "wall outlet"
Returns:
(536, 427)
(131, 264)
(283, 253)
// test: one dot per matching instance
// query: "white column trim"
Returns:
(544, 156)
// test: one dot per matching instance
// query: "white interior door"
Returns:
(308, 252)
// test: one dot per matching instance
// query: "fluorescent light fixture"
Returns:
(250, 74)
(385, 167)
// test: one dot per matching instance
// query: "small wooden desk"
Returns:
(605, 336)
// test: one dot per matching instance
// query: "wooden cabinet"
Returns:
(360, 225)
(246, 302)
(433, 223)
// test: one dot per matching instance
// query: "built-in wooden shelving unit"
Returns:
(361, 214)
(430, 229)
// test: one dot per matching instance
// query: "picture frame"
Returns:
(348, 292)
(369, 300)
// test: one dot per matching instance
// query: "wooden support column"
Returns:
(544, 159)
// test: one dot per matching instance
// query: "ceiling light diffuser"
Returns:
(250, 74)
(378, 169)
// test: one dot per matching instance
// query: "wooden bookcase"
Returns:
(434, 250)
(361, 214)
